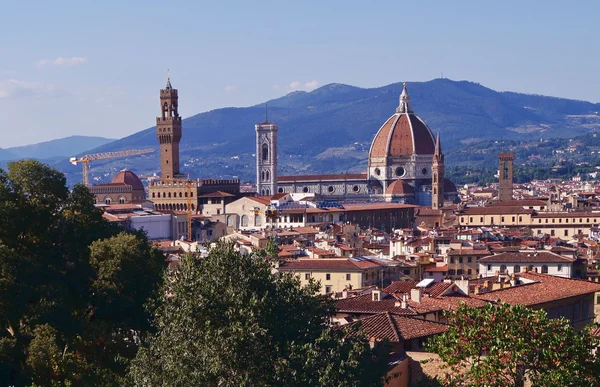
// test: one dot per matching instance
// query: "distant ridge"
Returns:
(62, 147)
(330, 129)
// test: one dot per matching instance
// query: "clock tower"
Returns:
(168, 132)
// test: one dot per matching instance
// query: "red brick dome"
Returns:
(399, 187)
(403, 134)
(129, 178)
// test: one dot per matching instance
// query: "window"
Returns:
(469, 259)
(492, 220)
(376, 296)
(481, 219)
(327, 277)
(544, 269)
(502, 268)
(265, 152)
(451, 259)
(517, 269)
(566, 232)
(559, 267)
(244, 220)
(502, 219)
(489, 267)
(328, 289)
(469, 271)
(348, 277)
(121, 200)
(307, 276)
(513, 218)
(231, 221)
(257, 220)
(551, 232)
(460, 260)
(107, 200)
(462, 219)
(471, 219)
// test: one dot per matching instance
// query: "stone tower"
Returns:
(505, 176)
(168, 132)
(437, 176)
(266, 158)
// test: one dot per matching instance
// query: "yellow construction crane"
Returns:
(188, 189)
(85, 160)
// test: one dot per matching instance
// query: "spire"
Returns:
(438, 146)
(169, 87)
(404, 106)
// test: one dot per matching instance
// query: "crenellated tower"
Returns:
(168, 132)
(266, 158)
(437, 176)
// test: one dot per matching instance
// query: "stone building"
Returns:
(266, 158)
(125, 188)
(401, 167)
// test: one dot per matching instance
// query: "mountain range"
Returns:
(330, 129)
(62, 147)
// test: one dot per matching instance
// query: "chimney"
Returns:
(376, 295)
(476, 290)
(404, 303)
(345, 293)
(415, 294)
(463, 285)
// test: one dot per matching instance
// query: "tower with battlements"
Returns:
(168, 132)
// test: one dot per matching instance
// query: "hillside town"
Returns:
(397, 247)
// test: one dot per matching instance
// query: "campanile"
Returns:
(168, 132)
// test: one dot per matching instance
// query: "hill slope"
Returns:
(62, 147)
(331, 128)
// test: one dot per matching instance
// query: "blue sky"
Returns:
(95, 68)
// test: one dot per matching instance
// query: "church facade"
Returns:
(405, 165)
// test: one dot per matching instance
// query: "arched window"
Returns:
(265, 152)
(180, 194)
(262, 176)
(267, 191)
(267, 176)
(545, 269)
(169, 194)
(121, 200)
(153, 194)
(231, 221)
(503, 269)
(517, 269)
(331, 217)
(107, 200)
(257, 220)
(244, 220)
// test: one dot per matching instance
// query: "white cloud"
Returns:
(229, 88)
(306, 86)
(18, 88)
(60, 61)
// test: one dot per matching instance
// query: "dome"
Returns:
(449, 186)
(399, 187)
(403, 134)
(129, 178)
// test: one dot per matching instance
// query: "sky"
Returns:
(95, 68)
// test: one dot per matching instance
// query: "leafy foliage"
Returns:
(229, 320)
(505, 345)
(73, 287)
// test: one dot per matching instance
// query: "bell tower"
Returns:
(168, 132)
(266, 158)
(505, 176)
(437, 176)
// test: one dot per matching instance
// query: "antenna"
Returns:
(266, 112)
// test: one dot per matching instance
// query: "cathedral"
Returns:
(406, 165)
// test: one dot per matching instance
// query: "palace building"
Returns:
(405, 165)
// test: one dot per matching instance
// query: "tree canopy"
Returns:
(73, 286)
(229, 319)
(504, 345)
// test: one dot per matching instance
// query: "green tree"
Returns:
(72, 287)
(229, 320)
(504, 345)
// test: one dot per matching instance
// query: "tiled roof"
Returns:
(341, 264)
(437, 269)
(396, 328)
(403, 134)
(266, 200)
(405, 287)
(364, 304)
(400, 187)
(567, 214)
(217, 194)
(530, 257)
(495, 210)
(519, 202)
(469, 251)
(545, 288)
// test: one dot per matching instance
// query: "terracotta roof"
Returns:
(266, 200)
(437, 269)
(528, 257)
(496, 210)
(321, 264)
(567, 214)
(396, 328)
(545, 288)
(434, 290)
(400, 187)
(403, 134)
(468, 252)
(364, 304)
(341, 176)
(519, 202)
(217, 194)
(129, 178)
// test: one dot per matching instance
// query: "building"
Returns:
(400, 166)
(339, 274)
(168, 132)
(505, 176)
(125, 188)
(544, 262)
(266, 158)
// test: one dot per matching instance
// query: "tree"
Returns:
(72, 287)
(229, 320)
(504, 345)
